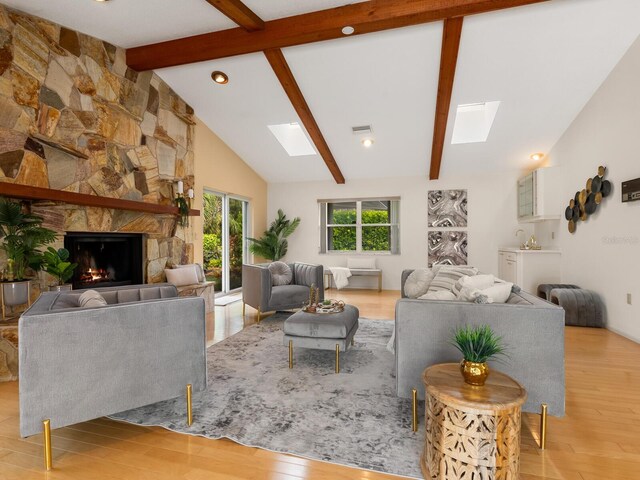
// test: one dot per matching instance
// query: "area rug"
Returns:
(253, 398)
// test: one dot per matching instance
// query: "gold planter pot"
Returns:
(474, 373)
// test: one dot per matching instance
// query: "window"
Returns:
(360, 226)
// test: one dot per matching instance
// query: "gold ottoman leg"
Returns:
(189, 405)
(337, 358)
(414, 410)
(543, 426)
(290, 353)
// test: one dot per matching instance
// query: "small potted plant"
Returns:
(478, 345)
(56, 265)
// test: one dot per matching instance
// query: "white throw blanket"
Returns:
(340, 276)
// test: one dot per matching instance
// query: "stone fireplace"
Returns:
(105, 259)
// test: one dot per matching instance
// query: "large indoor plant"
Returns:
(273, 244)
(22, 237)
(478, 344)
(57, 265)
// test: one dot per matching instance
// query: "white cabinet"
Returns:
(529, 268)
(539, 195)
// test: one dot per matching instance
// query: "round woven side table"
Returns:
(471, 432)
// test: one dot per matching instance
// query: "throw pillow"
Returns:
(197, 266)
(468, 294)
(417, 283)
(447, 277)
(498, 293)
(439, 295)
(91, 299)
(281, 273)
(479, 282)
(182, 276)
(366, 263)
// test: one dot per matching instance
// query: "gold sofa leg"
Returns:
(337, 358)
(543, 426)
(290, 353)
(46, 437)
(414, 409)
(244, 309)
(259, 315)
(189, 405)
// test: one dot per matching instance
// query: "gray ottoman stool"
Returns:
(321, 331)
(544, 290)
(582, 308)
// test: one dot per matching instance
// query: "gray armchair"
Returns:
(259, 293)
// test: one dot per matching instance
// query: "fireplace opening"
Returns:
(105, 259)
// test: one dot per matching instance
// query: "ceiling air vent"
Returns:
(362, 130)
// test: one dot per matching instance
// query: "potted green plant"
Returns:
(273, 244)
(56, 265)
(478, 344)
(22, 235)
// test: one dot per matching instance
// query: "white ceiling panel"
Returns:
(387, 80)
(130, 23)
(543, 62)
(240, 112)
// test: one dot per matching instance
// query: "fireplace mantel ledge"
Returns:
(27, 192)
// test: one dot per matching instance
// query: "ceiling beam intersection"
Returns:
(239, 13)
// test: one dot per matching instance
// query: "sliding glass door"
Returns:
(225, 239)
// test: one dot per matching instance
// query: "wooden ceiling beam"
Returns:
(448, 61)
(364, 17)
(239, 13)
(283, 72)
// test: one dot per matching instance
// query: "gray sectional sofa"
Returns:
(77, 364)
(532, 329)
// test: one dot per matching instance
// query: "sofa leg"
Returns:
(259, 315)
(543, 426)
(337, 358)
(244, 309)
(290, 353)
(414, 409)
(189, 405)
(353, 341)
(46, 437)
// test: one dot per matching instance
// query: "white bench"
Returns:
(356, 272)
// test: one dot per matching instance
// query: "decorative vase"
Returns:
(15, 293)
(474, 373)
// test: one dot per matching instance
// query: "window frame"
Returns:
(359, 225)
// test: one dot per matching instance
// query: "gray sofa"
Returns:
(77, 364)
(259, 293)
(532, 328)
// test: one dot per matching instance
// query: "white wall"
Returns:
(604, 253)
(491, 206)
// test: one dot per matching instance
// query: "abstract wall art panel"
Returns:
(447, 248)
(447, 208)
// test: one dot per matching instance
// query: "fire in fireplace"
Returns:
(105, 259)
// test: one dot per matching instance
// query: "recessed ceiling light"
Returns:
(293, 139)
(536, 157)
(367, 142)
(220, 77)
(474, 122)
(102, 1)
(348, 30)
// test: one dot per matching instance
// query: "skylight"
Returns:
(473, 122)
(293, 139)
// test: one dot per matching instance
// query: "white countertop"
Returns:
(518, 250)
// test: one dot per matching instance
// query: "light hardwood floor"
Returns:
(598, 439)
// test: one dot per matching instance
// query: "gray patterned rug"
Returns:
(253, 398)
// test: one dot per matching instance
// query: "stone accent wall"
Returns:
(74, 117)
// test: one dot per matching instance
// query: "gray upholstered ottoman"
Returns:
(321, 331)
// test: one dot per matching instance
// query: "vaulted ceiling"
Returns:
(542, 61)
